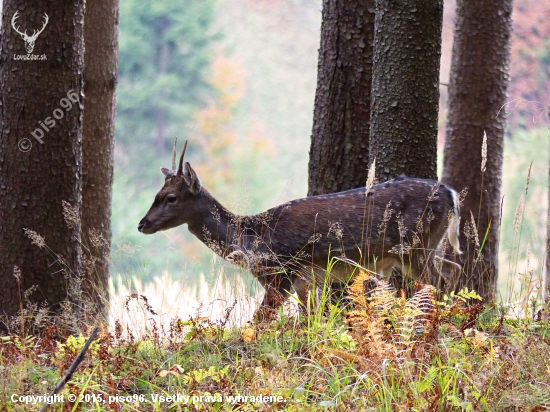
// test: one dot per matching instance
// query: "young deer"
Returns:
(400, 224)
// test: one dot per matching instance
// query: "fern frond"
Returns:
(376, 343)
(382, 297)
(357, 289)
(357, 321)
(418, 314)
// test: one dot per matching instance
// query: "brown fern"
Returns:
(388, 326)
(417, 317)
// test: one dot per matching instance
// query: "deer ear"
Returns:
(191, 179)
(166, 172)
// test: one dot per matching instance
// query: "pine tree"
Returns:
(341, 122)
(405, 88)
(40, 154)
(477, 93)
(100, 79)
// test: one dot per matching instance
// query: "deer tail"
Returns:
(453, 230)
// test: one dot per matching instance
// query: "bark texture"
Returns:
(35, 180)
(405, 88)
(477, 92)
(100, 79)
(341, 121)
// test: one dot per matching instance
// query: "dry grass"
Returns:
(135, 304)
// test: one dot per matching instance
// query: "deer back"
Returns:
(392, 222)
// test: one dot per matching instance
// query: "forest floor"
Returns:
(381, 352)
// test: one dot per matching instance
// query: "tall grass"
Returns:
(134, 304)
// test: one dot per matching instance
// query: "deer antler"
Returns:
(36, 33)
(174, 156)
(15, 16)
(180, 168)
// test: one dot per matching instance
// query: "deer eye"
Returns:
(171, 198)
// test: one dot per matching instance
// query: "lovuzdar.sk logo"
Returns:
(29, 39)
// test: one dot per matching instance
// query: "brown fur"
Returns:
(398, 224)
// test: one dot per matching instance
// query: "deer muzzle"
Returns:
(145, 227)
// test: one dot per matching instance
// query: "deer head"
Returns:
(175, 203)
(29, 40)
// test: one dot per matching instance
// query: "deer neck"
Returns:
(212, 224)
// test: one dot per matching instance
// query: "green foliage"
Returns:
(463, 295)
(165, 54)
(74, 344)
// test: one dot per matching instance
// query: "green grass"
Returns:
(381, 353)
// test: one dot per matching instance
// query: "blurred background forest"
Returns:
(237, 78)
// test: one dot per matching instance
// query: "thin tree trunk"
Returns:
(477, 93)
(40, 153)
(405, 88)
(100, 79)
(341, 122)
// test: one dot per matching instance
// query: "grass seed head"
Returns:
(519, 212)
(484, 152)
(370, 177)
(35, 238)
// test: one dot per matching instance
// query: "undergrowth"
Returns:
(380, 351)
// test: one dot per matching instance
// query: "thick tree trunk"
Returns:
(341, 122)
(100, 79)
(477, 93)
(40, 151)
(405, 88)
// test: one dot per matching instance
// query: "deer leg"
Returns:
(277, 288)
(448, 271)
(276, 291)
(301, 287)
(337, 292)
(397, 280)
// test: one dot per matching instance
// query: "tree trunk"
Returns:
(100, 79)
(341, 121)
(477, 93)
(405, 88)
(40, 152)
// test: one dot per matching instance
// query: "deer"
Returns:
(398, 225)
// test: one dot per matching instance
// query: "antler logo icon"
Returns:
(29, 40)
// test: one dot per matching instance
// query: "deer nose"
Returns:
(142, 224)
